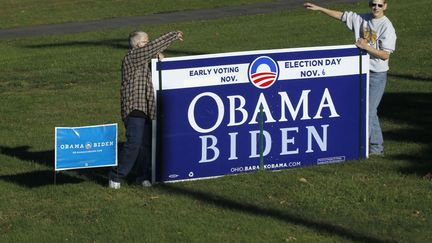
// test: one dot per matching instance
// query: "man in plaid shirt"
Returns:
(138, 104)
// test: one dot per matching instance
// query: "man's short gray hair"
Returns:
(136, 37)
(371, 1)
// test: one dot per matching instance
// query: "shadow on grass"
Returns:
(40, 178)
(317, 225)
(43, 178)
(112, 43)
(410, 77)
(414, 109)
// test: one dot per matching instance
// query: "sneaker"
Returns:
(146, 183)
(376, 153)
(114, 184)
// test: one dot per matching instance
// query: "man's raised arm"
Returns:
(332, 13)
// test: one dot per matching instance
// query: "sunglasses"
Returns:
(378, 5)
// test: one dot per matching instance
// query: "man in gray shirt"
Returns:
(375, 34)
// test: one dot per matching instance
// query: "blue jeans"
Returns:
(377, 83)
(136, 150)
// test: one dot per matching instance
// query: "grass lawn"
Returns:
(73, 80)
(33, 12)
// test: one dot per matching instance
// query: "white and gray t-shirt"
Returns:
(380, 34)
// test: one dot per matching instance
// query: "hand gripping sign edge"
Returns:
(260, 78)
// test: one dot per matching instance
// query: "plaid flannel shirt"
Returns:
(137, 91)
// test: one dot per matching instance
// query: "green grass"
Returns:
(73, 80)
(33, 12)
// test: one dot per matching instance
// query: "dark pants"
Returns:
(136, 151)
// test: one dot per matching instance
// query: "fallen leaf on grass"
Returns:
(303, 180)
(428, 176)
(416, 213)
(419, 215)
(291, 238)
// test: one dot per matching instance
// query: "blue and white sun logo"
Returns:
(263, 72)
(88, 145)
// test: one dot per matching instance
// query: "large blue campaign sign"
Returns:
(85, 147)
(289, 108)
